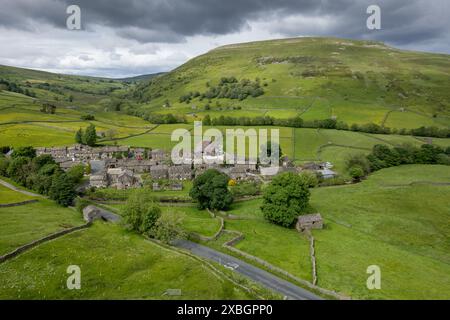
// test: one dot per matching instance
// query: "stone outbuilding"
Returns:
(90, 213)
(309, 221)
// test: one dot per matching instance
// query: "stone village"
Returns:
(122, 167)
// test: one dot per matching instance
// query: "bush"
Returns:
(245, 189)
(356, 172)
(76, 173)
(285, 198)
(359, 160)
(4, 164)
(80, 204)
(141, 212)
(309, 178)
(169, 227)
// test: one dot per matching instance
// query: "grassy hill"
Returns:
(316, 78)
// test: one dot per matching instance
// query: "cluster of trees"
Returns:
(285, 198)
(143, 215)
(14, 87)
(210, 190)
(298, 122)
(359, 165)
(86, 137)
(384, 157)
(229, 88)
(42, 174)
(164, 118)
(48, 108)
(87, 117)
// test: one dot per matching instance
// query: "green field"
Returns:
(114, 264)
(9, 196)
(26, 223)
(397, 219)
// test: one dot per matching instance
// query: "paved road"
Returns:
(256, 274)
(10, 186)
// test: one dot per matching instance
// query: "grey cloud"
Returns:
(172, 20)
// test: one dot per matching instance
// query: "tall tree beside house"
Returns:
(285, 198)
(79, 136)
(90, 136)
(210, 189)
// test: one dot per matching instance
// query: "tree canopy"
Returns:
(210, 189)
(285, 198)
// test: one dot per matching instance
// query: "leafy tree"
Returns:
(210, 190)
(17, 169)
(207, 120)
(79, 136)
(76, 173)
(356, 172)
(90, 136)
(309, 178)
(62, 189)
(141, 212)
(284, 199)
(169, 227)
(4, 164)
(150, 218)
(28, 152)
(359, 160)
(42, 160)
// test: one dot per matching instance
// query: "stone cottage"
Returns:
(180, 172)
(159, 172)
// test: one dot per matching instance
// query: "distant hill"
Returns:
(317, 78)
(60, 89)
(142, 77)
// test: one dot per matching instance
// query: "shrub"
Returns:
(356, 172)
(80, 204)
(309, 178)
(141, 212)
(169, 227)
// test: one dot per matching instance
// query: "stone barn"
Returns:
(309, 221)
(91, 213)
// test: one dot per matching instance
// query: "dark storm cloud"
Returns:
(403, 21)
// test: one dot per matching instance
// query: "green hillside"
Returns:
(317, 78)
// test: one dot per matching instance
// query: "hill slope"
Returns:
(317, 78)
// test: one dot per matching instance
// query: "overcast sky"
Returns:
(130, 37)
